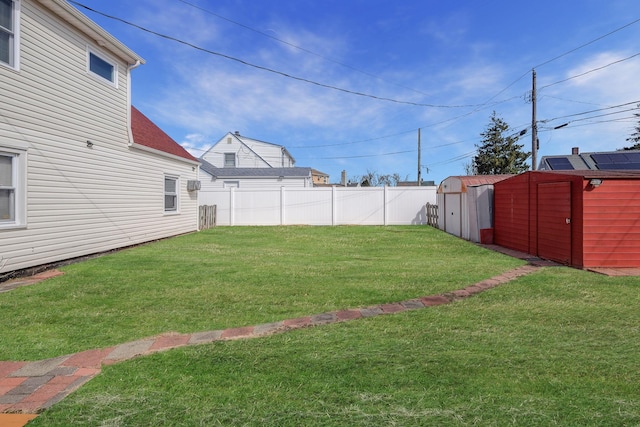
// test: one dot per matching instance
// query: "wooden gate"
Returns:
(554, 221)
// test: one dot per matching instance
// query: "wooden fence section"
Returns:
(321, 206)
(432, 215)
(207, 217)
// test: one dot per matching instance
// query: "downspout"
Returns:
(129, 68)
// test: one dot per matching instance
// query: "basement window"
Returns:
(12, 188)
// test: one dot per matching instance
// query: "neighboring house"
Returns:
(237, 151)
(319, 178)
(214, 178)
(241, 162)
(604, 160)
(81, 171)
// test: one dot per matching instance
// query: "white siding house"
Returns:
(238, 151)
(81, 172)
(237, 161)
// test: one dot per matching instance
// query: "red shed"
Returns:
(587, 218)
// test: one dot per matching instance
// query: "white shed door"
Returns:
(453, 214)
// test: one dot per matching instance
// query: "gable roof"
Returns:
(249, 143)
(147, 134)
(294, 172)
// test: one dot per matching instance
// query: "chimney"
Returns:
(575, 151)
(343, 180)
(237, 133)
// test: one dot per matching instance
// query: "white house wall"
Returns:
(209, 184)
(80, 200)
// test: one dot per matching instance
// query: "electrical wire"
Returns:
(300, 48)
(588, 43)
(263, 68)
(591, 71)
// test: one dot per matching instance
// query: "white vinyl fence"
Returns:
(321, 206)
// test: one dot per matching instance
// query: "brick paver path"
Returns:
(30, 387)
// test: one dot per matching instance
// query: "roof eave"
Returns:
(82, 23)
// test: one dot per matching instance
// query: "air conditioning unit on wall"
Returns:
(193, 185)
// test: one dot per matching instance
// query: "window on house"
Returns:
(12, 188)
(102, 67)
(229, 160)
(170, 194)
(9, 32)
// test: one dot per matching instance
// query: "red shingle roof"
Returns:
(146, 133)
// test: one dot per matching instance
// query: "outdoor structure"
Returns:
(604, 160)
(214, 178)
(81, 171)
(241, 162)
(334, 205)
(579, 218)
(465, 206)
(238, 151)
(319, 178)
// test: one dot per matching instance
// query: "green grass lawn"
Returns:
(559, 347)
(232, 277)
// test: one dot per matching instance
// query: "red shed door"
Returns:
(554, 221)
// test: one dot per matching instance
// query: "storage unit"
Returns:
(587, 218)
(465, 206)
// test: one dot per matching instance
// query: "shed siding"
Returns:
(511, 213)
(79, 200)
(612, 224)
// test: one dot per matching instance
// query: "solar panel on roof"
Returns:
(560, 164)
(617, 161)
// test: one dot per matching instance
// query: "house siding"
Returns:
(80, 200)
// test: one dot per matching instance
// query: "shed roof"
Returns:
(474, 180)
(146, 133)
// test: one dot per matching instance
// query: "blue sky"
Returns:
(352, 81)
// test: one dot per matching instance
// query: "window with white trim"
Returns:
(171, 185)
(9, 24)
(12, 188)
(102, 67)
(229, 160)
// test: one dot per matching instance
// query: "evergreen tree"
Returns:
(499, 154)
(635, 136)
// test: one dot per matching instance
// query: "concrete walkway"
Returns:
(30, 387)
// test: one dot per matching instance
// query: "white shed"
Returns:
(465, 205)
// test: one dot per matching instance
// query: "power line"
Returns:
(262, 33)
(588, 43)
(260, 67)
(592, 70)
(367, 155)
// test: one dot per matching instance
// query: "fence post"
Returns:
(282, 203)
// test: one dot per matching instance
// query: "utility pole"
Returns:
(534, 125)
(419, 173)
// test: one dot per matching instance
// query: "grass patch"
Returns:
(557, 347)
(231, 277)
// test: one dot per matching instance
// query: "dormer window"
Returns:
(101, 67)
(9, 22)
